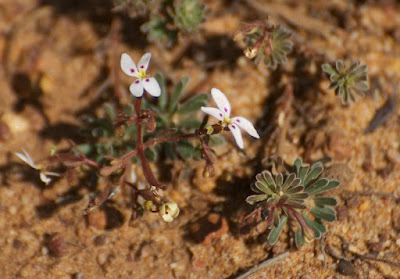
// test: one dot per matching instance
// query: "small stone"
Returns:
(56, 245)
(100, 240)
(346, 268)
(338, 145)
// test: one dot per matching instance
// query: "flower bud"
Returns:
(169, 211)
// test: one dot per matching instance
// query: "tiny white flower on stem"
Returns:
(169, 211)
(26, 158)
(144, 81)
(222, 113)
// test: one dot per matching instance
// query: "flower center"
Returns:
(226, 121)
(142, 74)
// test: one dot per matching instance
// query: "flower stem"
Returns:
(148, 173)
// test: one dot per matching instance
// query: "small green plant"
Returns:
(142, 132)
(188, 15)
(166, 18)
(265, 43)
(293, 196)
(347, 80)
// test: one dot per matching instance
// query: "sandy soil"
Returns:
(58, 56)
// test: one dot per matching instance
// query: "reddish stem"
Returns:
(148, 173)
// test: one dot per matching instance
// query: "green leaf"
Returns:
(217, 140)
(263, 188)
(84, 148)
(163, 99)
(194, 104)
(316, 170)
(189, 123)
(110, 111)
(185, 150)
(324, 213)
(276, 231)
(303, 172)
(328, 69)
(313, 226)
(319, 225)
(179, 89)
(330, 185)
(150, 154)
(256, 198)
(321, 201)
(269, 179)
(317, 186)
(299, 238)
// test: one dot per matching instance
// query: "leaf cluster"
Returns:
(294, 196)
(347, 80)
(268, 44)
(166, 18)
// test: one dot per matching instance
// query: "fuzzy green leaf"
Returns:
(163, 99)
(194, 104)
(329, 69)
(316, 170)
(275, 232)
(317, 186)
(110, 111)
(185, 150)
(189, 123)
(321, 201)
(324, 213)
(313, 226)
(299, 238)
(179, 89)
(332, 184)
(256, 198)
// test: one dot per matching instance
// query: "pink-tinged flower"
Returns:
(222, 113)
(169, 211)
(44, 175)
(143, 82)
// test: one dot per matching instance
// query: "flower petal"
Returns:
(144, 62)
(221, 101)
(136, 88)
(246, 125)
(237, 135)
(27, 159)
(128, 66)
(214, 112)
(152, 87)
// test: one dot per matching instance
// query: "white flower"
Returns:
(169, 211)
(143, 81)
(222, 113)
(28, 160)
